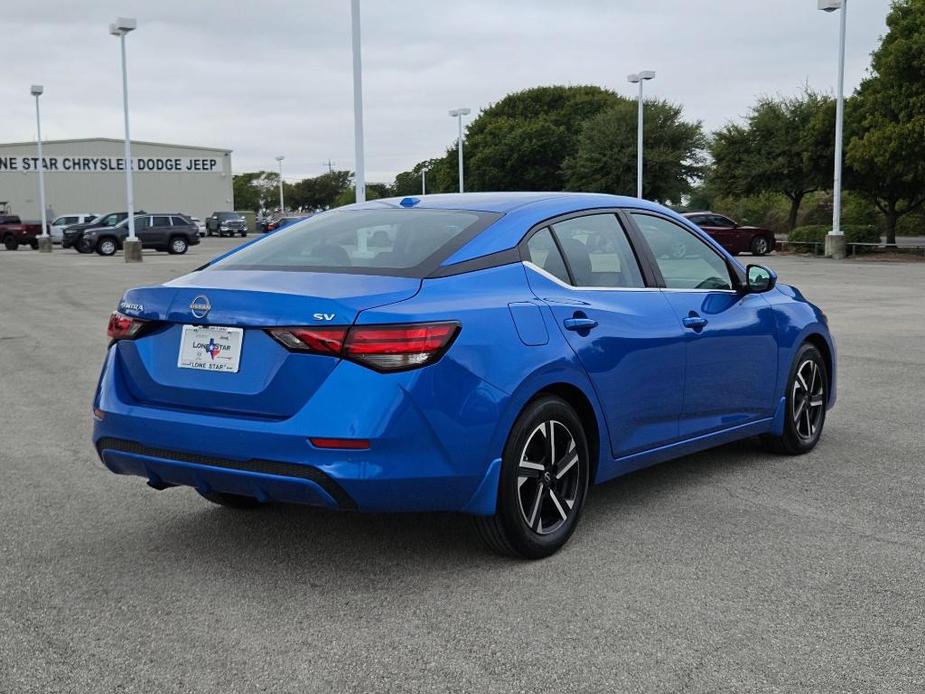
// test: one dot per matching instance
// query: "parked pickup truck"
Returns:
(14, 233)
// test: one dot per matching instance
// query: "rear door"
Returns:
(623, 330)
(143, 230)
(159, 233)
(730, 337)
(723, 230)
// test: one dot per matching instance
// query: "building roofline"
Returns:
(117, 141)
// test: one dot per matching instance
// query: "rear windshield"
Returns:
(380, 242)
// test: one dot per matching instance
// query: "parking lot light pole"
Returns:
(360, 174)
(423, 181)
(282, 203)
(132, 246)
(458, 113)
(44, 238)
(639, 78)
(835, 245)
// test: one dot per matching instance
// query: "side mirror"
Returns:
(760, 278)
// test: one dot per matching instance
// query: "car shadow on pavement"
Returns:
(281, 537)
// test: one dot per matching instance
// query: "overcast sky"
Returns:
(274, 77)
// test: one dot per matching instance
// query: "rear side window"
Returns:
(161, 221)
(400, 242)
(719, 221)
(598, 252)
(179, 221)
(544, 253)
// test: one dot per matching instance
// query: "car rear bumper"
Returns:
(415, 460)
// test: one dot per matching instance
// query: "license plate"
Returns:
(210, 348)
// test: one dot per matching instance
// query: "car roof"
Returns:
(502, 202)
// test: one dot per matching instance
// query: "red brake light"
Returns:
(398, 347)
(380, 347)
(122, 327)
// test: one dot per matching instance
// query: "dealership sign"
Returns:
(111, 164)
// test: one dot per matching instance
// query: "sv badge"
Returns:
(323, 316)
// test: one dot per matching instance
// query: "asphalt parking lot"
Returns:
(731, 570)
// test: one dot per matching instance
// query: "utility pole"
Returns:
(835, 241)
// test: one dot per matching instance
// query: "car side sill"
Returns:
(621, 466)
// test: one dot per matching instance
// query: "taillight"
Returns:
(122, 327)
(316, 340)
(380, 347)
(393, 348)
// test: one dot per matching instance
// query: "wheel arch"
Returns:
(820, 343)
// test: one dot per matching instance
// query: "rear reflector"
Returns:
(380, 347)
(348, 444)
(122, 327)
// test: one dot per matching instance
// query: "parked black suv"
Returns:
(226, 224)
(170, 231)
(72, 235)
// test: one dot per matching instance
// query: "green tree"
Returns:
(885, 155)
(521, 142)
(258, 190)
(374, 191)
(785, 146)
(409, 182)
(320, 192)
(605, 160)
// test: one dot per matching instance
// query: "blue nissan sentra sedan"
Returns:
(491, 354)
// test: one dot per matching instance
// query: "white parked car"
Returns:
(199, 225)
(66, 220)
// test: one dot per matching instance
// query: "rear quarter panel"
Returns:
(473, 395)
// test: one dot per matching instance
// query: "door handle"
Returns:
(579, 323)
(695, 322)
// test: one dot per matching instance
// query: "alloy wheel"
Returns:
(178, 245)
(548, 477)
(760, 246)
(807, 402)
(108, 247)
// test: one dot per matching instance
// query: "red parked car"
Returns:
(734, 238)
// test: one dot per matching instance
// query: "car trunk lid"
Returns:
(271, 382)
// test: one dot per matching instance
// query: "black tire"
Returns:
(83, 246)
(230, 500)
(517, 528)
(34, 244)
(177, 245)
(760, 245)
(107, 245)
(243, 234)
(10, 242)
(805, 410)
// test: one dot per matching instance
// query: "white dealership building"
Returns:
(89, 176)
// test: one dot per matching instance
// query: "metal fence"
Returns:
(817, 248)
